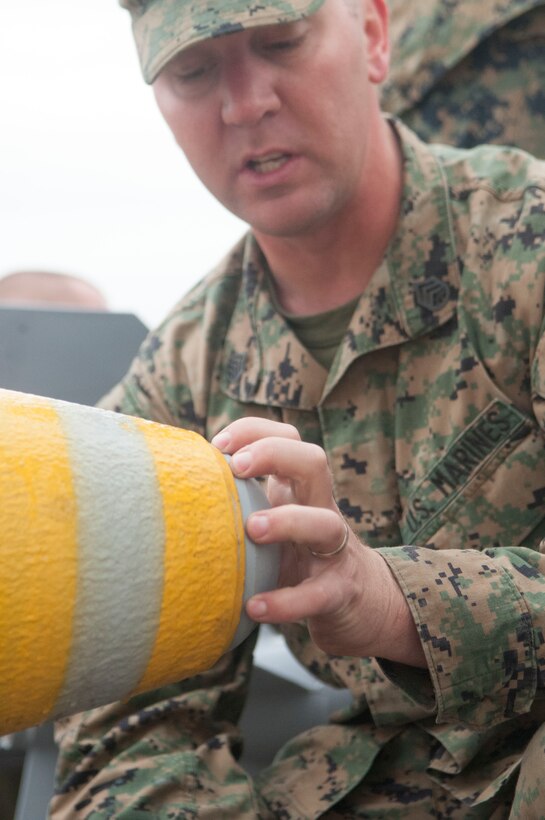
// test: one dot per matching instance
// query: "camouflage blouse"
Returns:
(433, 419)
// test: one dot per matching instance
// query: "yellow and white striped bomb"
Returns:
(123, 560)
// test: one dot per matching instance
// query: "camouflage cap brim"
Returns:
(163, 28)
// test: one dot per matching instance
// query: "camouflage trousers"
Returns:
(333, 772)
(496, 94)
(399, 786)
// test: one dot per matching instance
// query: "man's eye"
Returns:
(192, 74)
(285, 44)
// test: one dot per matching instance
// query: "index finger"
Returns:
(247, 430)
(302, 464)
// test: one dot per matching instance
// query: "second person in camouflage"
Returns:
(467, 72)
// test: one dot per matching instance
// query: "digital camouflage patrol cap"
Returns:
(163, 28)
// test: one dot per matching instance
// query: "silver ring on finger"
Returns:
(338, 549)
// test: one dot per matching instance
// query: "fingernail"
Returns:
(257, 608)
(241, 462)
(258, 524)
(221, 440)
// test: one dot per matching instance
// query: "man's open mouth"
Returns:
(268, 163)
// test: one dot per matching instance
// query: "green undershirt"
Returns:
(321, 333)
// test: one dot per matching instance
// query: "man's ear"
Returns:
(375, 25)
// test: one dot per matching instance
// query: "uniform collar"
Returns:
(412, 292)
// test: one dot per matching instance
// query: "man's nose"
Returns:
(248, 92)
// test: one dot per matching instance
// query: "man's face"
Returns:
(277, 120)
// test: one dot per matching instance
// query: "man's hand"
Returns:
(351, 602)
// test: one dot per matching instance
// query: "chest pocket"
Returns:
(488, 488)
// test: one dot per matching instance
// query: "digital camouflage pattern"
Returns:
(162, 28)
(466, 72)
(433, 419)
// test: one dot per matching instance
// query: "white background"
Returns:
(91, 181)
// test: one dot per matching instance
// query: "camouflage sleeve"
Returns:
(481, 618)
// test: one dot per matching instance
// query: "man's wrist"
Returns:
(398, 640)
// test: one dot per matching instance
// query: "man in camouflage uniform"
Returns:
(386, 306)
(467, 71)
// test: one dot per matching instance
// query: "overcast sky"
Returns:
(91, 181)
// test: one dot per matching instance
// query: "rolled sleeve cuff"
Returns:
(476, 633)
